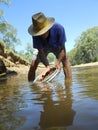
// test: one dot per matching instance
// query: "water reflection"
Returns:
(87, 80)
(57, 105)
(11, 100)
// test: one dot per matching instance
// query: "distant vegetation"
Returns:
(84, 51)
(8, 34)
(86, 47)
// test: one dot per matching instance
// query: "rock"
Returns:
(10, 62)
(2, 47)
(2, 67)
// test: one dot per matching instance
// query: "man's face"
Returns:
(45, 35)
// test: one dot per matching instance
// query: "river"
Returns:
(59, 105)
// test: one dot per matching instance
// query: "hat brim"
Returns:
(33, 32)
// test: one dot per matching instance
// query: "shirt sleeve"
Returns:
(61, 36)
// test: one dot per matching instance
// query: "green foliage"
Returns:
(28, 54)
(51, 57)
(1, 13)
(7, 32)
(9, 37)
(86, 47)
(8, 2)
(2, 44)
(71, 56)
(84, 51)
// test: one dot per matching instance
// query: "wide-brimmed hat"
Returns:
(40, 24)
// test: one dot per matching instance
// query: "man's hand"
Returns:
(57, 65)
(42, 75)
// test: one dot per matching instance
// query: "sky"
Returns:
(75, 15)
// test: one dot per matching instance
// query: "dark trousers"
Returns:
(55, 51)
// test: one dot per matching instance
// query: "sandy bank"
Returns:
(24, 69)
(20, 69)
(87, 64)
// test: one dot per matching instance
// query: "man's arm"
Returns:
(44, 60)
(61, 55)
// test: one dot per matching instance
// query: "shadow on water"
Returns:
(60, 105)
(35, 106)
(56, 100)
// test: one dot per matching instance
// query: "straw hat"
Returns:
(40, 24)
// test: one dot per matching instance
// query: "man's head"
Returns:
(40, 24)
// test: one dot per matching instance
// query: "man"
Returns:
(48, 36)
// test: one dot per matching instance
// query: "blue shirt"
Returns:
(57, 38)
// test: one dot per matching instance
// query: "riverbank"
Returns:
(19, 69)
(24, 69)
(87, 64)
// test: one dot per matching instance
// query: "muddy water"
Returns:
(60, 105)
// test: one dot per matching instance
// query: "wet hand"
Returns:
(57, 65)
(42, 75)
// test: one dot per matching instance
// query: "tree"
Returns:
(28, 55)
(86, 47)
(7, 32)
(10, 37)
(7, 2)
(51, 57)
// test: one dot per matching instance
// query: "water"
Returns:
(60, 105)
